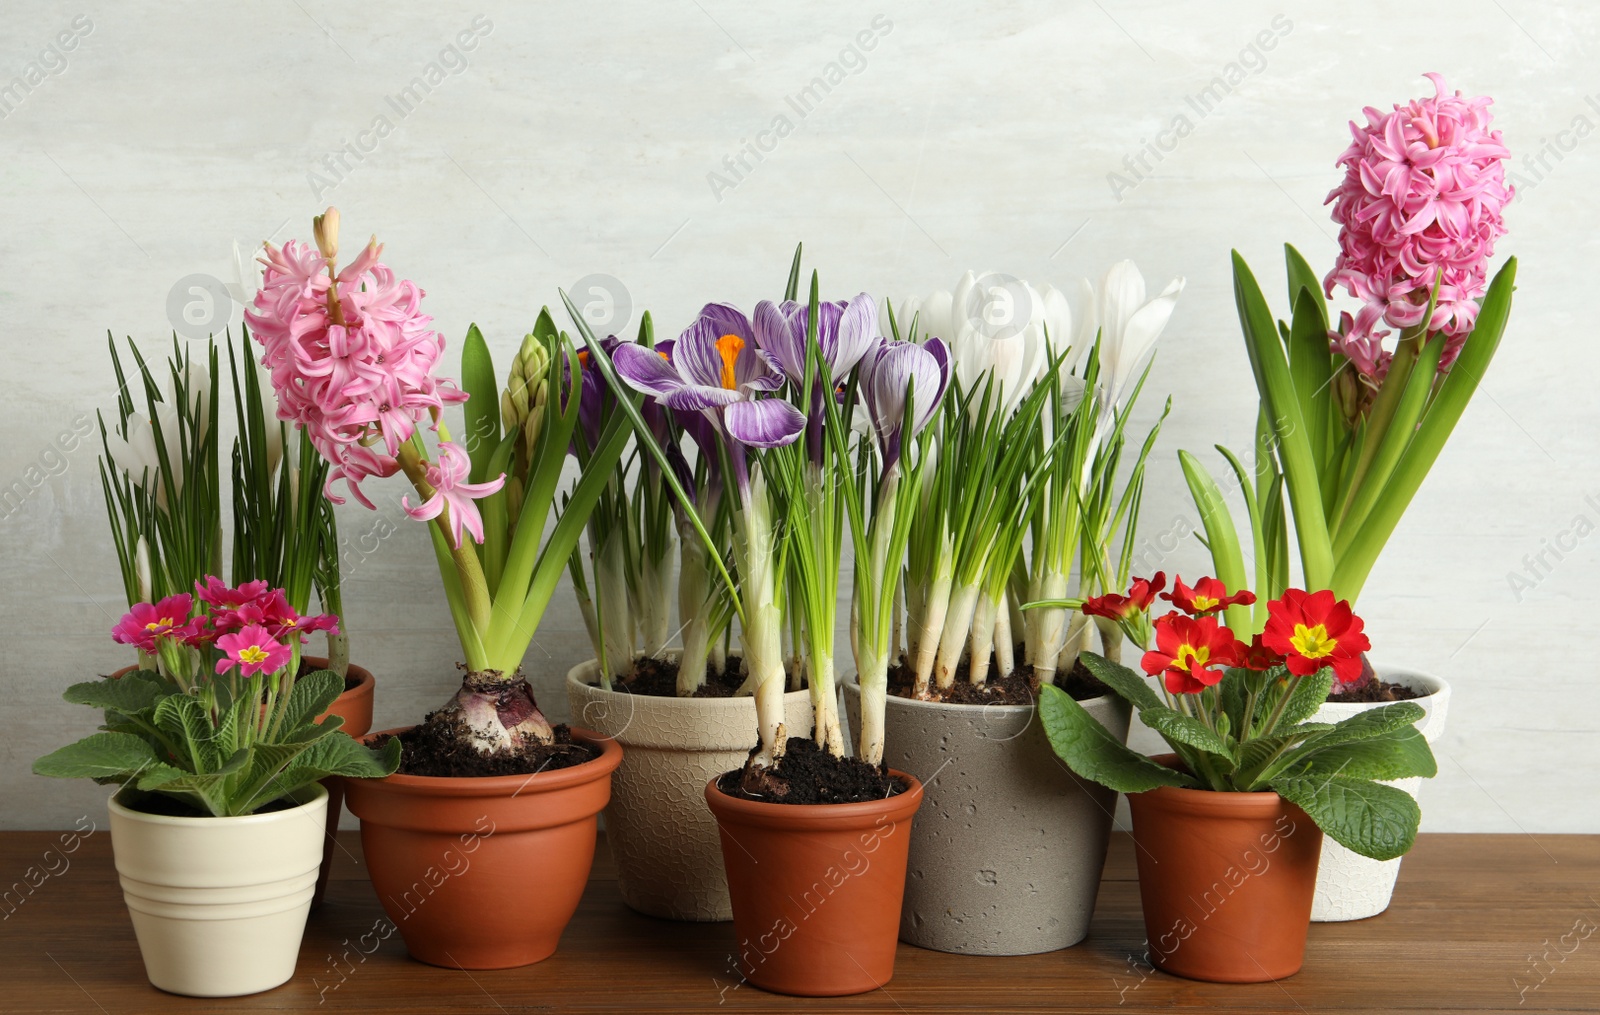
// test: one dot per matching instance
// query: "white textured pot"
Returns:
(1007, 850)
(663, 837)
(1349, 885)
(219, 904)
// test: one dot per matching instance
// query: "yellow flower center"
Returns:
(1189, 657)
(156, 625)
(1204, 604)
(253, 654)
(1313, 642)
(729, 347)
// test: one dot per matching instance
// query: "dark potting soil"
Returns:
(433, 749)
(172, 807)
(659, 678)
(806, 774)
(1012, 689)
(1374, 690)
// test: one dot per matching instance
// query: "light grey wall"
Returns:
(578, 138)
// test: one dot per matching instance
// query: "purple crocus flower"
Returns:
(716, 369)
(845, 333)
(888, 371)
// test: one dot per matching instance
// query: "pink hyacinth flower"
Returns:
(453, 495)
(253, 650)
(1420, 205)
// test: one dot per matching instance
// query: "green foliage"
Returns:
(1249, 734)
(226, 748)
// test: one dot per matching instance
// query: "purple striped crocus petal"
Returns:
(699, 396)
(763, 423)
(645, 370)
(779, 339)
(858, 330)
(755, 370)
(696, 355)
(725, 319)
(899, 365)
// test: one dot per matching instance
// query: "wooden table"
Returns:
(1479, 923)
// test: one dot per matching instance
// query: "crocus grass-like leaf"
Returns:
(1398, 754)
(1273, 381)
(130, 694)
(1129, 685)
(483, 403)
(1093, 753)
(1366, 817)
(112, 756)
(1306, 695)
(1183, 729)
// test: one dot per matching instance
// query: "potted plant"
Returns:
(1023, 483)
(813, 843)
(218, 746)
(684, 715)
(165, 495)
(1228, 828)
(1349, 428)
(353, 361)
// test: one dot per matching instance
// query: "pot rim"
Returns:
(852, 687)
(503, 785)
(799, 816)
(661, 700)
(1409, 676)
(313, 793)
(1218, 803)
(365, 681)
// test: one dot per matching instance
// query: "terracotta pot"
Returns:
(1351, 886)
(354, 706)
(483, 873)
(816, 890)
(1009, 844)
(664, 842)
(1226, 881)
(219, 904)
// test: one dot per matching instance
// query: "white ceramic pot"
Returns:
(219, 904)
(1349, 885)
(663, 837)
(1007, 850)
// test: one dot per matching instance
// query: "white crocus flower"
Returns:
(1129, 327)
(137, 455)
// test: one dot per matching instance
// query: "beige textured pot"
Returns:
(663, 838)
(1349, 885)
(219, 904)
(1007, 850)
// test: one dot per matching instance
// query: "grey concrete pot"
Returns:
(1008, 847)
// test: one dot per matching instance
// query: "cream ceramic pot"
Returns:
(663, 837)
(219, 904)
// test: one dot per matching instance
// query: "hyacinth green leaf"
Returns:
(1311, 367)
(1356, 562)
(482, 408)
(1128, 685)
(114, 756)
(1303, 279)
(1276, 386)
(1093, 753)
(1365, 817)
(1221, 537)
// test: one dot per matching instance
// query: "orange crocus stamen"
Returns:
(729, 346)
